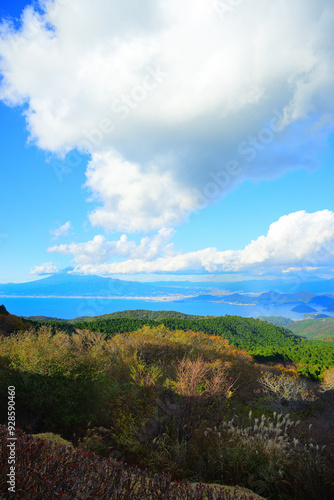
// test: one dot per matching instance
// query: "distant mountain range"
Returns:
(301, 302)
(282, 286)
(71, 285)
(65, 283)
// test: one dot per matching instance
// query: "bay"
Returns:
(68, 308)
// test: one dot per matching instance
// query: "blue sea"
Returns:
(66, 308)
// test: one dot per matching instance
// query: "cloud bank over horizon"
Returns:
(296, 242)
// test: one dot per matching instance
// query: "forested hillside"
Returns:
(246, 333)
(139, 314)
(261, 339)
(321, 329)
(276, 320)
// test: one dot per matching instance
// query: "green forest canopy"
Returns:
(322, 328)
(265, 341)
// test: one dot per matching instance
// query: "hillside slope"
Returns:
(276, 320)
(9, 323)
(320, 329)
(168, 401)
(265, 341)
(138, 314)
(245, 333)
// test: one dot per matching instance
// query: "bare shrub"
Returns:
(327, 383)
(289, 392)
(202, 379)
(199, 387)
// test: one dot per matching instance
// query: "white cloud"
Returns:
(133, 200)
(61, 230)
(100, 250)
(169, 94)
(297, 237)
(46, 268)
(299, 240)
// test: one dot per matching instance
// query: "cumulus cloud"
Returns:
(46, 268)
(131, 200)
(61, 230)
(170, 93)
(100, 250)
(299, 240)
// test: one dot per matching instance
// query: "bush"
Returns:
(10, 324)
(54, 471)
(59, 379)
(53, 438)
(288, 392)
(327, 383)
(199, 387)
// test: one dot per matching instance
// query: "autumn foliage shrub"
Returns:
(10, 323)
(57, 378)
(200, 386)
(65, 383)
(327, 383)
(48, 470)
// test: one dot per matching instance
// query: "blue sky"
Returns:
(131, 146)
